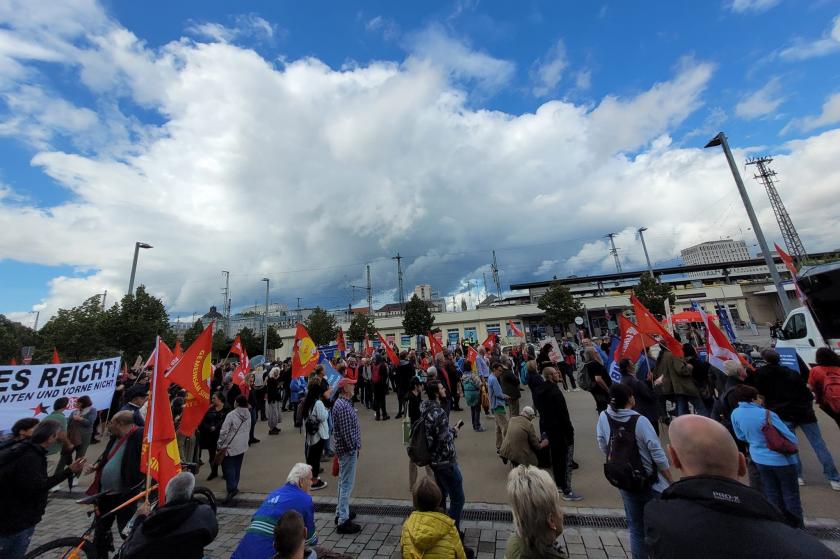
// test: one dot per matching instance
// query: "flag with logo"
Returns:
(392, 355)
(304, 353)
(631, 343)
(192, 372)
(159, 457)
(648, 324)
(489, 342)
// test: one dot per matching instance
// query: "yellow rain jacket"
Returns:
(430, 535)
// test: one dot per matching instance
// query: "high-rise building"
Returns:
(713, 252)
(423, 292)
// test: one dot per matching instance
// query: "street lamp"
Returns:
(720, 140)
(137, 246)
(641, 231)
(265, 321)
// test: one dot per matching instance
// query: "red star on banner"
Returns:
(39, 409)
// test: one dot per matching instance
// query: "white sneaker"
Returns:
(835, 485)
(802, 482)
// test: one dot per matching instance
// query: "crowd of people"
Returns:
(722, 424)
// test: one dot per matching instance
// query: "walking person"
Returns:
(379, 380)
(786, 393)
(233, 438)
(315, 420)
(497, 403)
(208, 431)
(347, 435)
(472, 396)
(824, 380)
(555, 421)
(636, 463)
(273, 401)
(777, 469)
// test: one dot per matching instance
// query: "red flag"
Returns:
(178, 353)
(389, 350)
(434, 344)
(632, 341)
(55, 358)
(166, 357)
(368, 347)
(192, 372)
(490, 342)
(792, 269)
(160, 457)
(339, 340)
(472, 355)
(237, 347)
(718, 347)
(648, 324)
(514, 330)
(13, 362)
(304, 353)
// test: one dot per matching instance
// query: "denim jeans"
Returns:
(682, 405)
(13, 546)
(812, 432)
(448, 478)
(253, 423)
(231, 467)
(634, 510)
(346, 479)
(782, 489)
(475, 414)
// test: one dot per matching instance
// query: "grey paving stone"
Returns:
(596, 554)
(615, 552)
(576, 548)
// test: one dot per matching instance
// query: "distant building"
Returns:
(423, 292)
(713, 252)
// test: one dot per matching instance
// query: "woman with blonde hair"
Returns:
(537, 517)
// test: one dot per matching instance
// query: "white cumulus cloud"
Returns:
(761, 102)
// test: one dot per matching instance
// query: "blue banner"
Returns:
(331, 374)
(725, 325)
(788, 358)
(452, 337)
(611, 366)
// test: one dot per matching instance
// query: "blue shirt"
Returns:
(258, 541)
(497, 397)
(747, 421)
(482, 367)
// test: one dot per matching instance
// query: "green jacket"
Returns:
(676, 376)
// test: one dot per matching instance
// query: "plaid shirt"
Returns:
(346, 430)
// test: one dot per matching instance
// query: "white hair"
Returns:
(298, 473)
(528, 412)
(275, 372)
(732, 368)
(534, 502)
(432, 370)
(180, 487)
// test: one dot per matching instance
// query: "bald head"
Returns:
(702, 446)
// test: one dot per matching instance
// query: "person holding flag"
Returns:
(192, 372)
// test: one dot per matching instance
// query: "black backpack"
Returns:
(312, 424)
(624, 467)
(418, 446)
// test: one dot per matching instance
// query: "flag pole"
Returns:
(151, 416)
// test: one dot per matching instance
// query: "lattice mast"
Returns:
(791, 238)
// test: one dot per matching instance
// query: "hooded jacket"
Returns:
(711, 517)
(178, 530)
(430, 535)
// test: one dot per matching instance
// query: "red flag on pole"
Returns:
(632, 341)
(339, 340)
(237, 347)
(160, 458)
(192, 372)
(472, 355)
(792, 269)
(389, 350)
(55, 358)
(514, 330)
(648, 324)
(304, 353)
(434, 344)
(490, 342)
(166, 357)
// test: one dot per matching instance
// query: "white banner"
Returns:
(31, 390)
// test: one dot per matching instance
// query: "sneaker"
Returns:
(480, 429)
(348, 527)
(800, 481)
(320, 484)
(835, 485)
(571, 496)
(352, 517)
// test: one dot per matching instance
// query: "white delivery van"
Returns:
(817, 324)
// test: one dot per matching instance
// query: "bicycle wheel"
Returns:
(64, 548)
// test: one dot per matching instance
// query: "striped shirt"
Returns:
(259, 537)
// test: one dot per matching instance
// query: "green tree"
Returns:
(652, 294)
(251, 341)
(221, 344)
(80, 333)
(360, 325)
(192, 333)
(13, 336)
(322, 326)
(274, 340)
(559, 305)
(418, 319)
(133, 325)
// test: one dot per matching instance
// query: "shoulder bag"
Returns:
(222, 452)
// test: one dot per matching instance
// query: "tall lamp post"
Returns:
(641, 231)
(265, 321)
(720, 140)
(137, 246)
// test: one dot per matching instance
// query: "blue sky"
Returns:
(303, 140)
